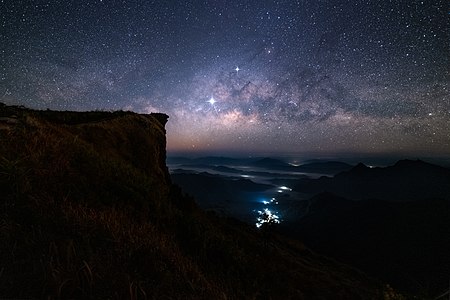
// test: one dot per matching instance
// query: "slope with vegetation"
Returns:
(397, 216)
(88, 211)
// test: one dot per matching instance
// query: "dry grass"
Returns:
(88, 212)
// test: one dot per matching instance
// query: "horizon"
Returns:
(381, 159)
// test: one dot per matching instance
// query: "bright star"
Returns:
(212, 101)
(237, 69)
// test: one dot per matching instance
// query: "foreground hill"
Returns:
(88, 211)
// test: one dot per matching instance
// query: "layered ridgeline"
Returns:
(88, 211)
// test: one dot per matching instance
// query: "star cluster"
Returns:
(250, 76)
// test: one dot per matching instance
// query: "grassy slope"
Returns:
(88, 211)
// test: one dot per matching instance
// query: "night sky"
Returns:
(242, 76)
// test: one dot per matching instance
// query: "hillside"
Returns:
(88, 211)
(404, 243)
(397, 215)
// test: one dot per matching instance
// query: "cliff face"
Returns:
(88, 211)
(90, 144)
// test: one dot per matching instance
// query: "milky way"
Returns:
(242, 76)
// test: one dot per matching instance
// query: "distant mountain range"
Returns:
(321, 167)
(407, 180)
(392, 222)
(207, 160)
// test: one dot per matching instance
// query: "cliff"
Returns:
(88, 211)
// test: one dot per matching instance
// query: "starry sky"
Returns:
(323, 76)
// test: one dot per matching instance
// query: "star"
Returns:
(212, 101)
(302, 76)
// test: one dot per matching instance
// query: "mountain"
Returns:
(194, 168)
(407, 180)
(88, 211)
(270, 163)
(177, 160)
(329, 167)
(208, 160)
(211, 162)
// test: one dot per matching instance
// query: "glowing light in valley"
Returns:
(285, 188)
(265, 202)
(266, 216)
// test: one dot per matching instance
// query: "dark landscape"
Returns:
(89, 210)
(392, 222)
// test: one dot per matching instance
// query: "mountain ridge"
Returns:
(407, 180)
(405, 243)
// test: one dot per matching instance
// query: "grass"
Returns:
(88, 212)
